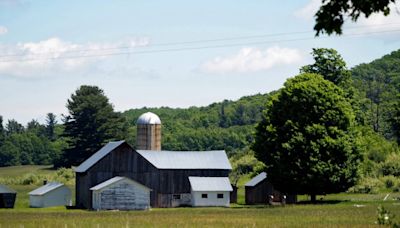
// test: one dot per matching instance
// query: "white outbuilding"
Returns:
(210, 191)
(120, 193)
(49, 195)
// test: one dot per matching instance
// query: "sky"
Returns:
(165, 53)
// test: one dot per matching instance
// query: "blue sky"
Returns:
(164, 53)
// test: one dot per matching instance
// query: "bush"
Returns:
(391, 166)
(367, 185)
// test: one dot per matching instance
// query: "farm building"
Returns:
(120, 193)
(49, 195)
(166, 173)
(7, 197)
(210, 191)
(258, 191)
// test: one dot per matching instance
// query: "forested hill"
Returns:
(225, 125)
(379, 86)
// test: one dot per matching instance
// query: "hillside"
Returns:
(225, 125)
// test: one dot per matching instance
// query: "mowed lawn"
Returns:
(336, 210)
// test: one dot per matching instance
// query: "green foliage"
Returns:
(63, 175)
(244, 163)
(332, 14)
(367, 185)
(307, 138)
(385, 217)
(391, 166)
(91, 123)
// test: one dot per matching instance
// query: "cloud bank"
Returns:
(251, 59)
(3, 30)
(52, 56)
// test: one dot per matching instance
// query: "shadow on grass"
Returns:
(321, 202)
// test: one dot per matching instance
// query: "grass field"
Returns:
(336, 210)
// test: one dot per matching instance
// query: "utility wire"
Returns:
(188, 42)
(191, 48)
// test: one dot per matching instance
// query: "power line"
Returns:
(192, 48)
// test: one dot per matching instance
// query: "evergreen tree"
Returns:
(50, 126)
(91, 123)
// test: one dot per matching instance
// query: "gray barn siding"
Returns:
(124, 161)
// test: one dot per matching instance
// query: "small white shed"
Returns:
(49, 195)
(120, 193)
(210, 191)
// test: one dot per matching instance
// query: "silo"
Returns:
(148, 132)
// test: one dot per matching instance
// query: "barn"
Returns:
(7, 197)
(166, 173)
(120, 193)
(258, 191)
(210, 191)
(49, 195)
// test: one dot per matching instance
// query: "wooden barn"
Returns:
(7, 197)
(166, 173)
(259, 191)
(210, 191)
(120, 193)
(50, 195)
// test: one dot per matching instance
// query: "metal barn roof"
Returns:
(5, 189)
(148, 118)
(46, 188)
(112, 181)
(97, 156)
(210, 184)
(187, 159)
(257, 179)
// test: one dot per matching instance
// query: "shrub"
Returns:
(391, 166)
(367, 185)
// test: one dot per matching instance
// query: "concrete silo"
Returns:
(148, 132)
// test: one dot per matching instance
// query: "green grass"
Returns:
(18, 171)
(335, 210)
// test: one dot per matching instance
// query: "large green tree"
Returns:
(91, 123)
(306, 138)
(332, 14)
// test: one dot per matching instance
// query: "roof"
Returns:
(148, 118)
(210, 184)
(97, 156)
(112, 181)
(46, 188)
(187, 159)
(257, 179)
(5, 189)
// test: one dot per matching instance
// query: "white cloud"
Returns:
(53, 56)
(378, 22)
(308, 11)
(3, 30)
(253, 59)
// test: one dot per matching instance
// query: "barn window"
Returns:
(220, 196)
(176, 196)
(204, 196)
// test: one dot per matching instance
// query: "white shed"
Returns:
(210, 191)
(120, 193)
(49, 195)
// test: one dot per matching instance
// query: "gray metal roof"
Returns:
(148, 118)
(257, 179)
(112, 181)
(210, 184)
(46, 188)
(97, 156)
(187, 159)
(5, 189)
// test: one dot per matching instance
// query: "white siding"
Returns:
(211, 200)
(122, 195)
(57, 197)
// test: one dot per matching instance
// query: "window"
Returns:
(220, 196)
(176, 196)
(204, 196)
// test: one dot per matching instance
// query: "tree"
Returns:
(50, 126)
(2, 131)
(330, 65)
(331, 15)
(14, 127)
(91, 123)
(306, 138)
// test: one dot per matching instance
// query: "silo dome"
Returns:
(148, 118)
